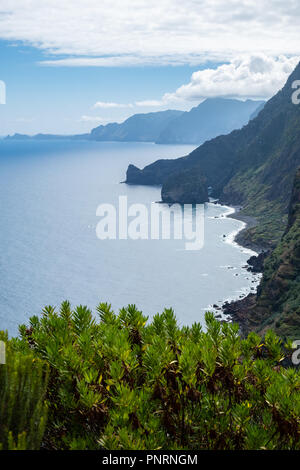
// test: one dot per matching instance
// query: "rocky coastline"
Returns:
(240, 311)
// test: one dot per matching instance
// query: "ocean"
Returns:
(50, 192)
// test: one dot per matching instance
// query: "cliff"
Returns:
(252, 167)
(277, 303)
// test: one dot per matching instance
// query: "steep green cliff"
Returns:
(191, 191)
(278, 298)
(277, 303)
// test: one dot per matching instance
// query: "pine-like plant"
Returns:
(124, 383)
(23, 410)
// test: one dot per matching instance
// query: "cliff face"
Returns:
(153, 174)
(252, 167)
(193, 191)
(278, 297)
(277, 303)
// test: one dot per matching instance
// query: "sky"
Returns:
(71, 65)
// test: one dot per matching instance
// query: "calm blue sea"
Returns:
(49, 251)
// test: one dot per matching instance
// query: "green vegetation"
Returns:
(271, 215)
(278, 302)
(123, 383)
(193, 189)
(23, 409)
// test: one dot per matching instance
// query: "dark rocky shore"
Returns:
(240, 310)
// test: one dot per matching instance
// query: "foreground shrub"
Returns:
(122, 383)
(23, 411)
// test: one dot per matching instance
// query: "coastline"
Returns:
(249, 222)
(234, 238)
(240, 310)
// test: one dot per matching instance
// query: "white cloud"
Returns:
(25, 119)
(143, 32)
(109, 105)
(255, 76)
(98, 119)
(129, 60)
(150, 103)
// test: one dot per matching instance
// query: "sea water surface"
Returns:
(49, 251)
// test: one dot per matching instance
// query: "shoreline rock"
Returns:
(256, 263)
(239, 312)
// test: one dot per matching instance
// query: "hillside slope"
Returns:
(212, 117)
(279, 294)
(277, 303)
(253, 167)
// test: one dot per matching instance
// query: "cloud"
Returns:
(25, 119)
(109, 105)
(254, 76)
(98, 119)
(131, 60)
(160, 32)
(150, 103)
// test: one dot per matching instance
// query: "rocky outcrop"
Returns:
(153, 174)
(256, 263)
(192, 192)
(242, 312)
(135, 176)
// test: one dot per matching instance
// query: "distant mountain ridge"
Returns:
(18, 136)
(210, 118)
(137, 128)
